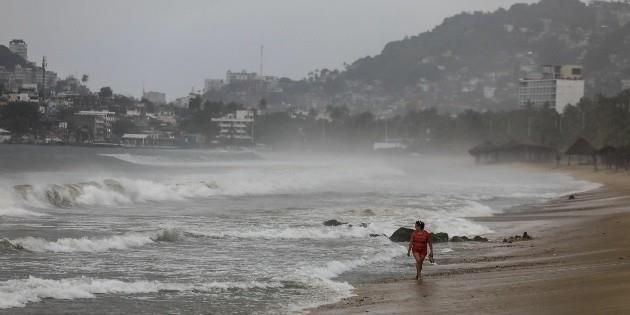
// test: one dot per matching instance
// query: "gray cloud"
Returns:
(173, 45)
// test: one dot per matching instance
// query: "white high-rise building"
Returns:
(557, 86)
(19, 47)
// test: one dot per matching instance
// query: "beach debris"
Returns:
(377, 235)
(518, 238)
(334, 222)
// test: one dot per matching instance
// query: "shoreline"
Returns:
(577, 263)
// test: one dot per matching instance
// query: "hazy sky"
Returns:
(174, 45)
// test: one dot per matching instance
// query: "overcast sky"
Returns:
(172, 46)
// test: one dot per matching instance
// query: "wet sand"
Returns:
(577, 263)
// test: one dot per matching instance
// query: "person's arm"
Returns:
(409, 247)
(430, 245)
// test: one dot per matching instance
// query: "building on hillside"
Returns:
(556, 86)
(26, 93)
(166, 116)
(4, 76)
(95, 126)
(237, 127)
(19, 47)
(156, 98)
(243, 76)
(213, 85)
(27, 75)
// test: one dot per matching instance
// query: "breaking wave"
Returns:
(84, 244)
(323, 277)
(9, 208)
(111, 192)
(123, 191)
(335, 268)
(191, 158)
(18, 293)
(323, 232)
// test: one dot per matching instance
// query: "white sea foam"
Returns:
(323, 232)
(18, 293)
(84, 244)
(19, 212)
(9, 207)
(334, 268)
(323, 277)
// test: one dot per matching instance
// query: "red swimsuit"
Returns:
(419, 241)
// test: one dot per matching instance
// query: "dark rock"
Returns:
(518, 238)
(439, 237)
(334, 223)
(363, 225)
(571, 197)
(459, 239)
(480, 239)
(377, 235)
(401, 235)
(368, 212)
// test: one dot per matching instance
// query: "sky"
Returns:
(172, 46)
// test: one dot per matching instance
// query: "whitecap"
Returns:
(19, 292)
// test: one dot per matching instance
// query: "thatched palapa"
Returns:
(583, 150)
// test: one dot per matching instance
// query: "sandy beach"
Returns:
(577, 263)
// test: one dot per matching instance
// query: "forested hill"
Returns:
(474, 60)
(8, 59)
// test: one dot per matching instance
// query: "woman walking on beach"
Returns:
(418, 245)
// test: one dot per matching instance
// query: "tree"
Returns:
(262, 104)
(337, 113)
(123, 126)
(84, 79)
(106, 92)
(195, 103)
(20, 117)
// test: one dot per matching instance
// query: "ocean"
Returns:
(111, 230)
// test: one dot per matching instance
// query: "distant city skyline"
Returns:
(172, 46)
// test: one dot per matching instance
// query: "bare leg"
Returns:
(419, 260)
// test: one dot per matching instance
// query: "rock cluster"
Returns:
(404, 234)
(467, 239)
(517, 238)
(334, 222)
